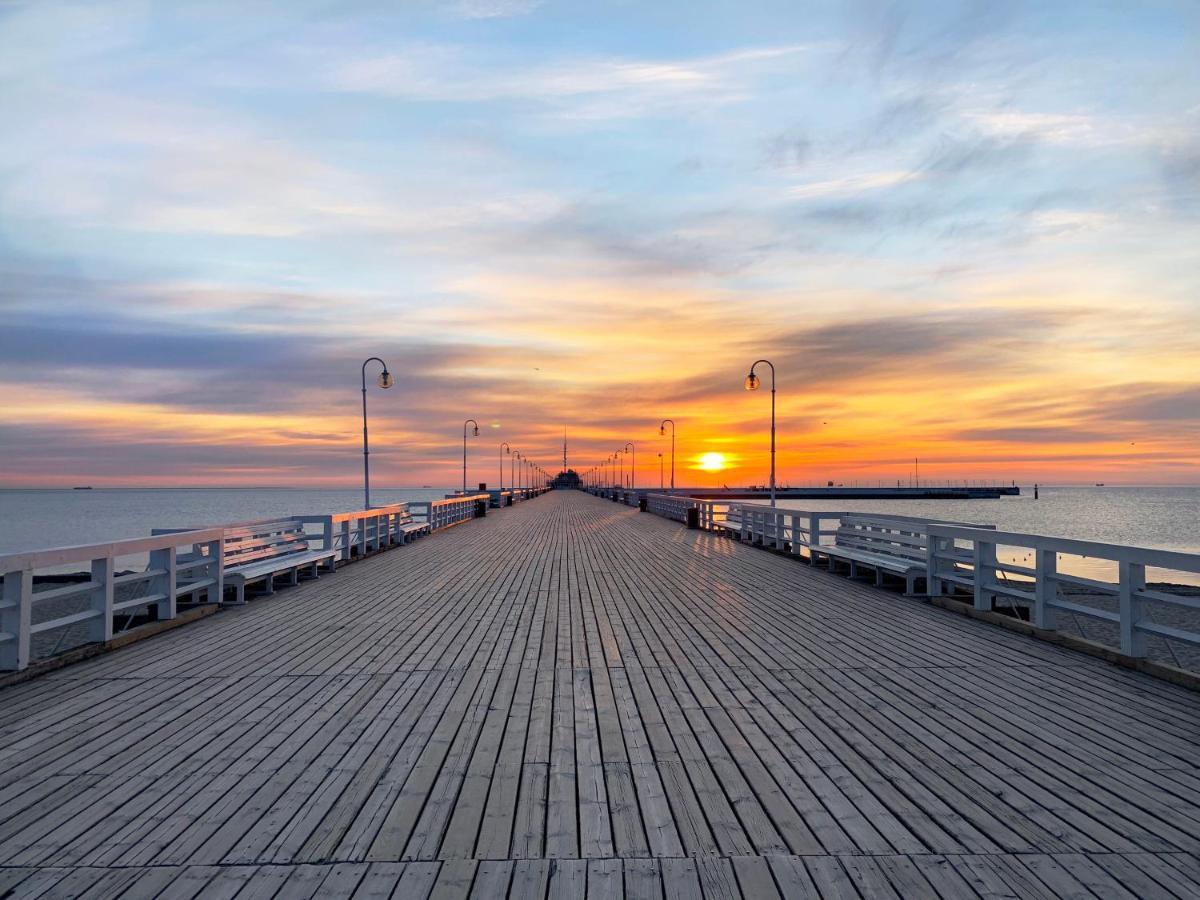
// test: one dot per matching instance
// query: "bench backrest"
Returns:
(904, 540)
(264, 540)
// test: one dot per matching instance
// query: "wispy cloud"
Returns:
(853, 184)
(956, 233)
(494, 9)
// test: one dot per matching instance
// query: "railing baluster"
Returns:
(16, 618)
(101, 628)
(1132, 581)
(164, 559)
(1045, 590)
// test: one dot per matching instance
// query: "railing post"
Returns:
(16, 618)
(327, 533)
(346, 542)
(101, 628)
(933, 546)
(216, 553)
(1045, 589)
(1132, 581)
(983, 559)
(814, 536)
(164, 584)
(778, 519)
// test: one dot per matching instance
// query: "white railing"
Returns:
(970, 559)
(671, 506)
(98, 602)
(798, 530)
(444, 513)
(364, 530)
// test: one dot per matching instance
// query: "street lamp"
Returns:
(660, 471)
(752, 385)
(476, 434)
(662, 429)
(620, 458)
(385, 381)
(632, 465)
(504, 449)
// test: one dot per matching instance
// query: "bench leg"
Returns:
(269, 585)
(879, 578)
(294, 576)
(241, 593)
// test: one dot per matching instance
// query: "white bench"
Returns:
(261, 551)
(410, 529)
(886, 546)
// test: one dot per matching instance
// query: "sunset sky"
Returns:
(970, 236)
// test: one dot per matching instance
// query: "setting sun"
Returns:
(712, 462)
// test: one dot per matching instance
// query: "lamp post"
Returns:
(662, 429)
(504, 448)
(476, 434)
(632, 465)
(752, 385)
(385, 381)
(619, 456)
(660, 471)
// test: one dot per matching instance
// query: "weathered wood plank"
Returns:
(571, 699)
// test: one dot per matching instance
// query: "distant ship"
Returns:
(86, 487)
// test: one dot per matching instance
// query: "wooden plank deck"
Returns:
(572, 699)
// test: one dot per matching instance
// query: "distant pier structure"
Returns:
(963, 492)
(568, 479)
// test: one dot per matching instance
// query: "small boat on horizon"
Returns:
(85, 487)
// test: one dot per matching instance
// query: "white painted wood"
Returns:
(16, 605)
(1045, 590)
(1129, 591)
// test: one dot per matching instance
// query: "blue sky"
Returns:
(968, 230)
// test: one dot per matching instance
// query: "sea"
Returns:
(41, 519)
(1166, 517)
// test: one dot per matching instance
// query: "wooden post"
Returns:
(796, 541)
(327, 536)
(16, 604)
(216, 570)
(101, 628)
(1045, 589)
(933, 584)
(814, 536)
(164, 559)
(1132, 580)
(984, 560)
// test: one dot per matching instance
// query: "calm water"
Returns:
(34, 520)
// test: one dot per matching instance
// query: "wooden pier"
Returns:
(571, 699)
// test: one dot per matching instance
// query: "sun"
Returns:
(712, 462)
